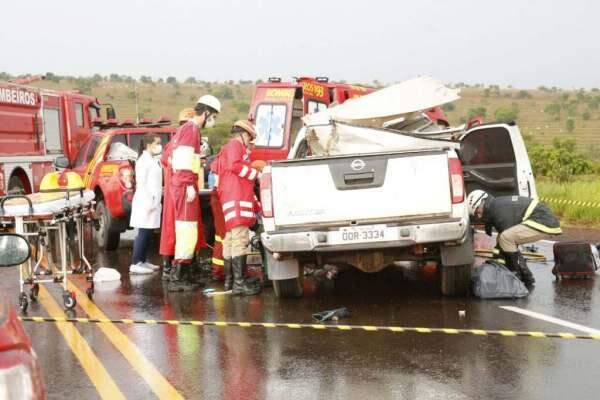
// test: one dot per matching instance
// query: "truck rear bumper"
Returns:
(453, 231)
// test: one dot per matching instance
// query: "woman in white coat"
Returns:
(146, 205)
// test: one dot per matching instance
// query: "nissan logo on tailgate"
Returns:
(357, 164)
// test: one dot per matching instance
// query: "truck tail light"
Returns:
(266, 195)
(457, 183)
(126, 177)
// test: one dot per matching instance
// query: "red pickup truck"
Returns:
(106, 163)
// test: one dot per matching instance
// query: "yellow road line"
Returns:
(157, 382)
(102, 381)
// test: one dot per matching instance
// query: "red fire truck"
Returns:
(38, 125)
(277, 109)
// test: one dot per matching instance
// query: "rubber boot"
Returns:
(242, 286)
(194, 275)
(512, 263)
(526, 273)
(178, 281)
(167, 265)
(228, 270)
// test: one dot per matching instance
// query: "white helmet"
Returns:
(210, 101)
(474, 200)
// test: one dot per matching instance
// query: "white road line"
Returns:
(552, 320)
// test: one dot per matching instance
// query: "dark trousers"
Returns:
(140, 245)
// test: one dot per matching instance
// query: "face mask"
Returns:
(210, 122)
(157, 149)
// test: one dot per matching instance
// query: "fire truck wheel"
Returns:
(107, 238)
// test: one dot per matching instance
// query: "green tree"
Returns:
(145, 79)
(552, 109)
(586, 115)
(560, 162)
(523, 94)
(115, 78)
(476, 112)
(171, 80)
(49, 77)
(506, 114)
(570, 125)
(191, 80)
(224, 92)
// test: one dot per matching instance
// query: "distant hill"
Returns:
(543, 113)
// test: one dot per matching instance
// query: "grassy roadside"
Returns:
(586, 188)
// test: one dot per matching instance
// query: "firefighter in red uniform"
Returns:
(236, 195)
(167, 236)
(183, 192)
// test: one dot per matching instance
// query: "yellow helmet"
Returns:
(60, 180)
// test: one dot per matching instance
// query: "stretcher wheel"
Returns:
(35, 291)
(23, 303)
(90, 292)
(69, 300)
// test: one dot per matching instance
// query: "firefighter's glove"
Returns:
(332, 314)
(190, 194)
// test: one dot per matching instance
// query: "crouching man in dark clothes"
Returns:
(518, 220)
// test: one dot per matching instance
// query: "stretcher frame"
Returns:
(40, 225)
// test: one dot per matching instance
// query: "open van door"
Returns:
(495, 159)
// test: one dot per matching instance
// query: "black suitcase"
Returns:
(575, 259)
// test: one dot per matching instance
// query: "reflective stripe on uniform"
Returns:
(253, 174)
(183, 158)
(243, 172)
(247, 214)
(246, 204)
(218, 261)
(186, 234)
(530, 209)
(218, 239)
(230, 216)
(228, 205)
(542, 228)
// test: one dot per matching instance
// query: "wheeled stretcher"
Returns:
(42, 218)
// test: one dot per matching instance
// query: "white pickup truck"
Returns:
(370, 210)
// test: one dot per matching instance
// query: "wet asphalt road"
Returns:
(257, 363)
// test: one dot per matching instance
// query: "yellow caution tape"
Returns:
(363, 328)
(587, 204)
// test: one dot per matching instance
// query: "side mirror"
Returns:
(14, 249)
(110, 113)
(62, 162)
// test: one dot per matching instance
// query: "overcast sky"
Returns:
(520, 43)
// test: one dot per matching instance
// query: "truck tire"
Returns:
(455, 280)
(107, 236)
(289, 288)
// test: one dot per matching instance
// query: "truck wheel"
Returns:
(107, 237)
(289, 288)
(455, 280)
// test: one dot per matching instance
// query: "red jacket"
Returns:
(185, 155)
(236, 185)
